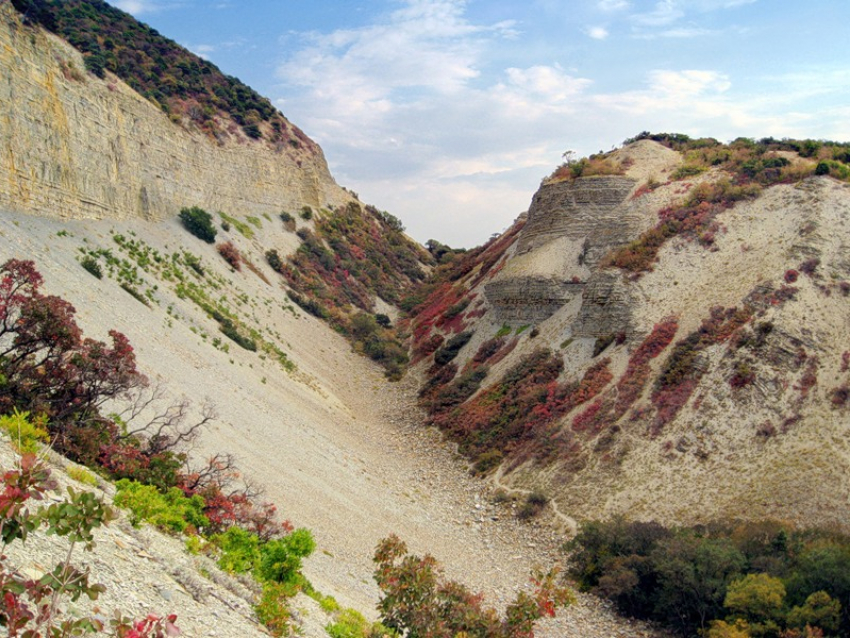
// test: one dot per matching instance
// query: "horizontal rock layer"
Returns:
(585, 208)
(530, 300)
(583, 220)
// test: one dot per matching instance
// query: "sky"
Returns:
(449, 113)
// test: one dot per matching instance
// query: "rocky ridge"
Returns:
(76, 146)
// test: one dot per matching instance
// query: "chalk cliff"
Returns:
(75, 146)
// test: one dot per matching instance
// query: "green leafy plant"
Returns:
(81, 475)
(91, 264)
(32, 606)
(241, 227)
(171, 511)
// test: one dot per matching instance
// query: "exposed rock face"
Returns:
(530, 299)
(605, 308)
(581, 209)
(571, 225)
(79, 147)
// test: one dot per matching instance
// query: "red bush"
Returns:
(791, 276)
(230, 254)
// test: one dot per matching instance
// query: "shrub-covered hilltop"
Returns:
(185, 86)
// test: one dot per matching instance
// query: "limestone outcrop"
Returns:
(75, 146)
(571, 225)
(584, 208)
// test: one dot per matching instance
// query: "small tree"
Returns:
(230, 254)
(417, 600)
(198, 222)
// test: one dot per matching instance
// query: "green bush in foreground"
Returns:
(172, 511)
(26, 434)
(275, 561)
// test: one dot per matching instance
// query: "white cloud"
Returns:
(690, 83)
(597, 33)
(202, 50)
(666, 12)
(139, 7)
(413, 116)
(613, 5)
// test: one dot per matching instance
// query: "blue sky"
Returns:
(448, 113)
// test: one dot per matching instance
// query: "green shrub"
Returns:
(231, 332)
(534, 504)
(487, 461)
(504, 331)
(172, 511)
(240, 550)
(81, 475)
(26, 434)
(194, 262)
(452, 347)
(306, 213)
(350, 623)
(309, 306)
(241, 227)
(198, 222)
(272, 610)
(280, 559)
(687, 171)
(274, 260)
(92, 266)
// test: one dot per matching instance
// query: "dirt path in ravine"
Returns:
(339, 449)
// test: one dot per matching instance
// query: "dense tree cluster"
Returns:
(722, 580)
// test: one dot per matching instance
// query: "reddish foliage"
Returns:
(352, 257)
(583, 420)
(810, 266)
(487, 349)
(48, 366)
(743, 376)
(809, 379)
(428, 312)
(230, 254)
(503, 352)
(428, 347)
(840, 395)
(516, 415)
(631, 384)
(791, 276)
(845, 360)
(417, 601)
(680, 375)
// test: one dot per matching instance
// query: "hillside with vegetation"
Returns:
(650, 361)
(188, 88)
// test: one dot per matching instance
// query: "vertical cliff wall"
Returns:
(72, 145)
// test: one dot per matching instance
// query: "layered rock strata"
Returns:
(571, 225)
(585, 209)
(75, 146)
